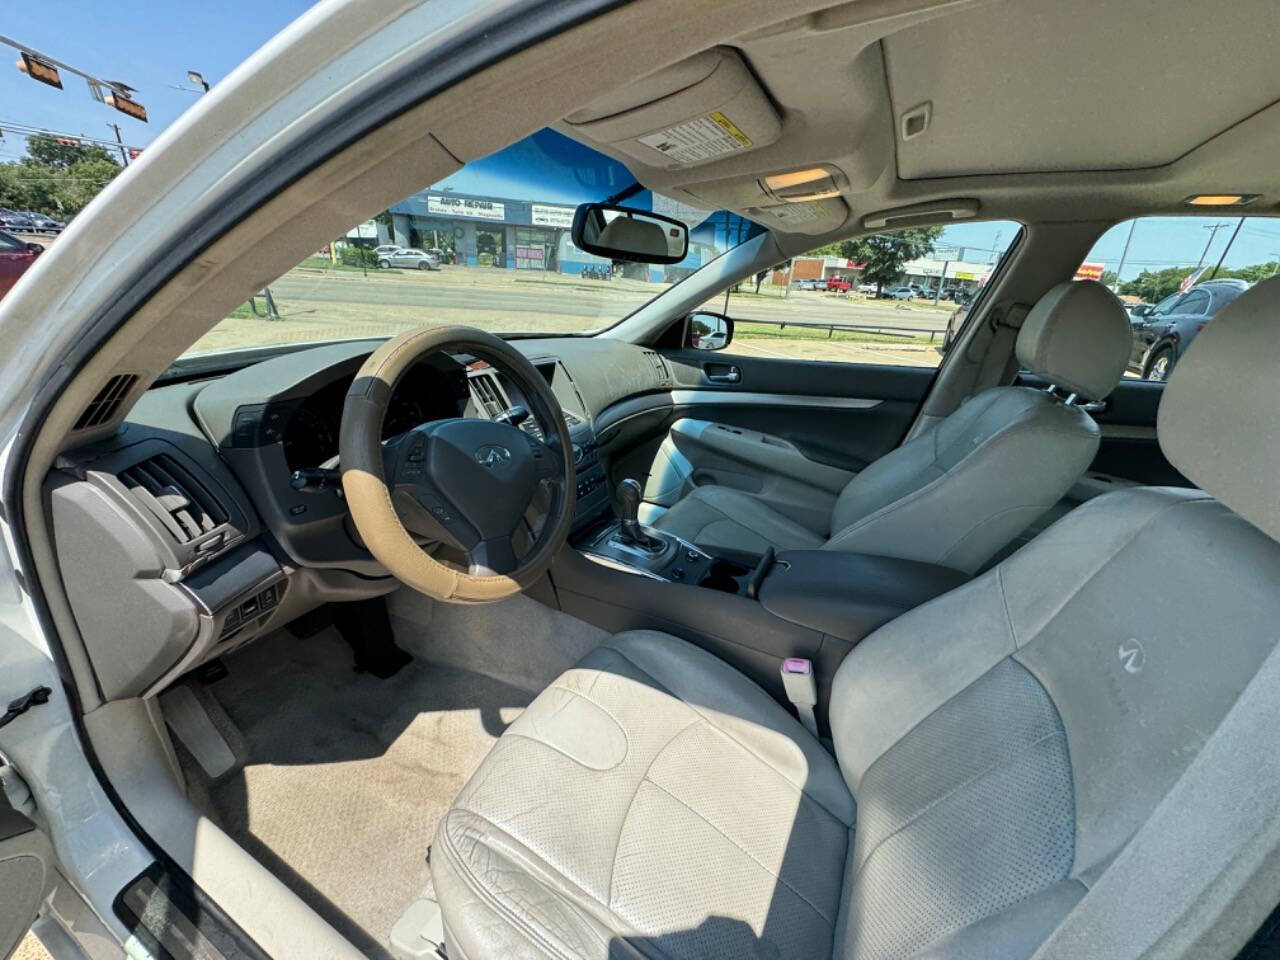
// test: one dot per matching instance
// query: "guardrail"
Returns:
(831, 328)
(31, 234)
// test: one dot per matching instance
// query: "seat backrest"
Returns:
(959, 493)
(1005, 742)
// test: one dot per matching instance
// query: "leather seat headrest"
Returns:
(1078, 337)
(1219, 419)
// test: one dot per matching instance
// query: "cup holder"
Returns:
(726, 576)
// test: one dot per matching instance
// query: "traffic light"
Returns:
(37, 69)
(126, 106)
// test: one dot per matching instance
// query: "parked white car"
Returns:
(412, 258)
(386, 249)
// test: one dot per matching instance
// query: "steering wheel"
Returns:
(465, 481)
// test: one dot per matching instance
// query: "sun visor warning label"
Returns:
(697, 141)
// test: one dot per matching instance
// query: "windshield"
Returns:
(488, 246)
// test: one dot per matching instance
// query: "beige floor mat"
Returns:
(347, 775)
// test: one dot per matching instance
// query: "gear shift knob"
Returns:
(629, 496)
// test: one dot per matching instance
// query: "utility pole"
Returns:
(1213, 229)
(1227, 249)
(1133, 225)
(124, 157)
(941, 280)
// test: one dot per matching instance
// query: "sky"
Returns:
(148, 44)
(151, 44)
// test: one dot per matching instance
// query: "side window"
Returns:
(1194, 304)
(9, 245)
(1174, 274)
(889, 298)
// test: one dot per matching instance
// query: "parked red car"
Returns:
(15, 257)
(839, 284)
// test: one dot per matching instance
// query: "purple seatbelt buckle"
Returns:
(797, 665)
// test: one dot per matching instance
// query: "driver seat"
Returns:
(1001, 753)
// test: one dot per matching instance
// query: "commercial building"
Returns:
(509, 233)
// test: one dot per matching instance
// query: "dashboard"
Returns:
(432, 390)
(212, 544)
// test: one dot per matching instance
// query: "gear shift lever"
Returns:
(629, 495)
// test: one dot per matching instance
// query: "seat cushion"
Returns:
(652, 801)
(721, 517)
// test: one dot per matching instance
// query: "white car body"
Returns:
(412, 259)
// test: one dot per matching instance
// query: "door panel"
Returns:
(842, 415)
(790, 432)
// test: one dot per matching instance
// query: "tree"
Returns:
(885, 253)
(1109, 278)
(46, 151)
(55, 179)
(767, 270)
(1154, 285)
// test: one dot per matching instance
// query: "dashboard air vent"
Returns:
(488, 394)
(173, 496)
(104, 406)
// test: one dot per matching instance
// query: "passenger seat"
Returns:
(959, 493)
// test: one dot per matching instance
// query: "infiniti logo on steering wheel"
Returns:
(493, 456)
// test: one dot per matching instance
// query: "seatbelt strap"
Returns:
(801, 690)
(999, 361)
(1201, 874)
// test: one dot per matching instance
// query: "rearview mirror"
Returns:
(709, 331)
(624, 233)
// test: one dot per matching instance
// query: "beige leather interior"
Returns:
(958, 493)
(1003, 753)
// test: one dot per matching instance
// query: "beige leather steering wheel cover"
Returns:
(365, 486)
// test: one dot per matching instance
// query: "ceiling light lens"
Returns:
(1220, 199)
(780, 181)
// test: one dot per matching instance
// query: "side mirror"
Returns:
(35, 248)
(624, 233)
(1141, 311)
(709, 331)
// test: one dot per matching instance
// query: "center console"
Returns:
(752, 611)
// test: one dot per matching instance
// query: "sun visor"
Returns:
(701, 110)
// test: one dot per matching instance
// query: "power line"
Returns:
(27, 131)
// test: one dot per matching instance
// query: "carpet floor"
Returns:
(346, 776)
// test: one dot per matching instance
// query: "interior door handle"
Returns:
(722, 373)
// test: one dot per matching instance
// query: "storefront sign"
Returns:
(1090, 271)
(543, 215)
(530, 257)
(463, 207)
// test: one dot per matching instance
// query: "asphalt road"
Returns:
(594, 300)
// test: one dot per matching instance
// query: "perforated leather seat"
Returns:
(1006, 744)
(959, 493)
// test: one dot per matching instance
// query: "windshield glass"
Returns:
(488, 246)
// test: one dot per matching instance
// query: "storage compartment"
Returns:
(706, 108)
(847, 595)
